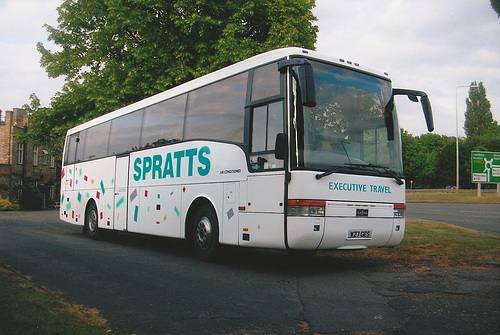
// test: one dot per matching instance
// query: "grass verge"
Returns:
(464, 196)
(27, 308)
(438, 244)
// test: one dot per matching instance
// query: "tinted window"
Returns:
(266, 82)
(259, 129)
(80, 148)
(125, 133)
(69, 157)
(217, 111)
(274, 123)
(267, 122)
(96, 142)
(163, 122)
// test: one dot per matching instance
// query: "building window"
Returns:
(45, 155)
(20, 153)
(35, 156)
(51, 192)
(19, 190)
(52, 161)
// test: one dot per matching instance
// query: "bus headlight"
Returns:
(306, 208)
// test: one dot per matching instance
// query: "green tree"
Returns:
(426, 160)
(446, 163)
(115, 52)
(495, 4)
(41, 129)
(478, 117)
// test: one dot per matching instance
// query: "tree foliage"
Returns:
(495, 4)
(478, 117)
(115, 52)
(430, 160)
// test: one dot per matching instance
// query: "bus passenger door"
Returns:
(261, 224)
(121, 186)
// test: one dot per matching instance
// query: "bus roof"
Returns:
(228, 71)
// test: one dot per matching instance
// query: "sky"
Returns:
(437, 46)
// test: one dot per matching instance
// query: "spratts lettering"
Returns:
(170, 165)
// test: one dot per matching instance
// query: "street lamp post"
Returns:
(456, 112)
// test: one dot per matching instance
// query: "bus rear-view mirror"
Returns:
(307, 87)
(280, 146)
(305, 78)
(424, 101)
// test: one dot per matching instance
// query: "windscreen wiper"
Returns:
(388, 171)
(347, 166)
(352, 166)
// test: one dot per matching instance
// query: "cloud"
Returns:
(21, 27)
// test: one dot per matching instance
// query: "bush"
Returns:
(32, 199)
(6, 205)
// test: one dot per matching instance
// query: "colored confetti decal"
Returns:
(133, 195)
(136, 213)
(119, 202)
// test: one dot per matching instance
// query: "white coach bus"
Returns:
(286, 150)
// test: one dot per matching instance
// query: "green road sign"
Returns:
(485, 167)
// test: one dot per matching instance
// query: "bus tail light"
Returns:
(306, 208)
(399, 210)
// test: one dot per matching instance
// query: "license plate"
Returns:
(359, 234)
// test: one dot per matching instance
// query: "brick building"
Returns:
(24, 163)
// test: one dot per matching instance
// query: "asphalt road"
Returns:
(150, 285)
(481, 217)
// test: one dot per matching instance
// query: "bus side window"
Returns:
(69, 157)
(93, 148)
(124, 133)
(163, 122)
(217, 111)
(266, 82)
(267, 122)
(80, 148)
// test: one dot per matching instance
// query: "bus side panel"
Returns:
(68, 199)
(262, 230)
(262, 222)
(155, 210)
(230, 213)
(94, 180)
(214, 193)
(120, 193)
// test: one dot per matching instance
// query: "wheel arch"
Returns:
(87, 205)
(195, 205)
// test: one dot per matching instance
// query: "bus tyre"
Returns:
(206, 234)
(91, 227)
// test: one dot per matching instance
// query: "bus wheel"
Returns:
(91, 222)
(206, 234)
